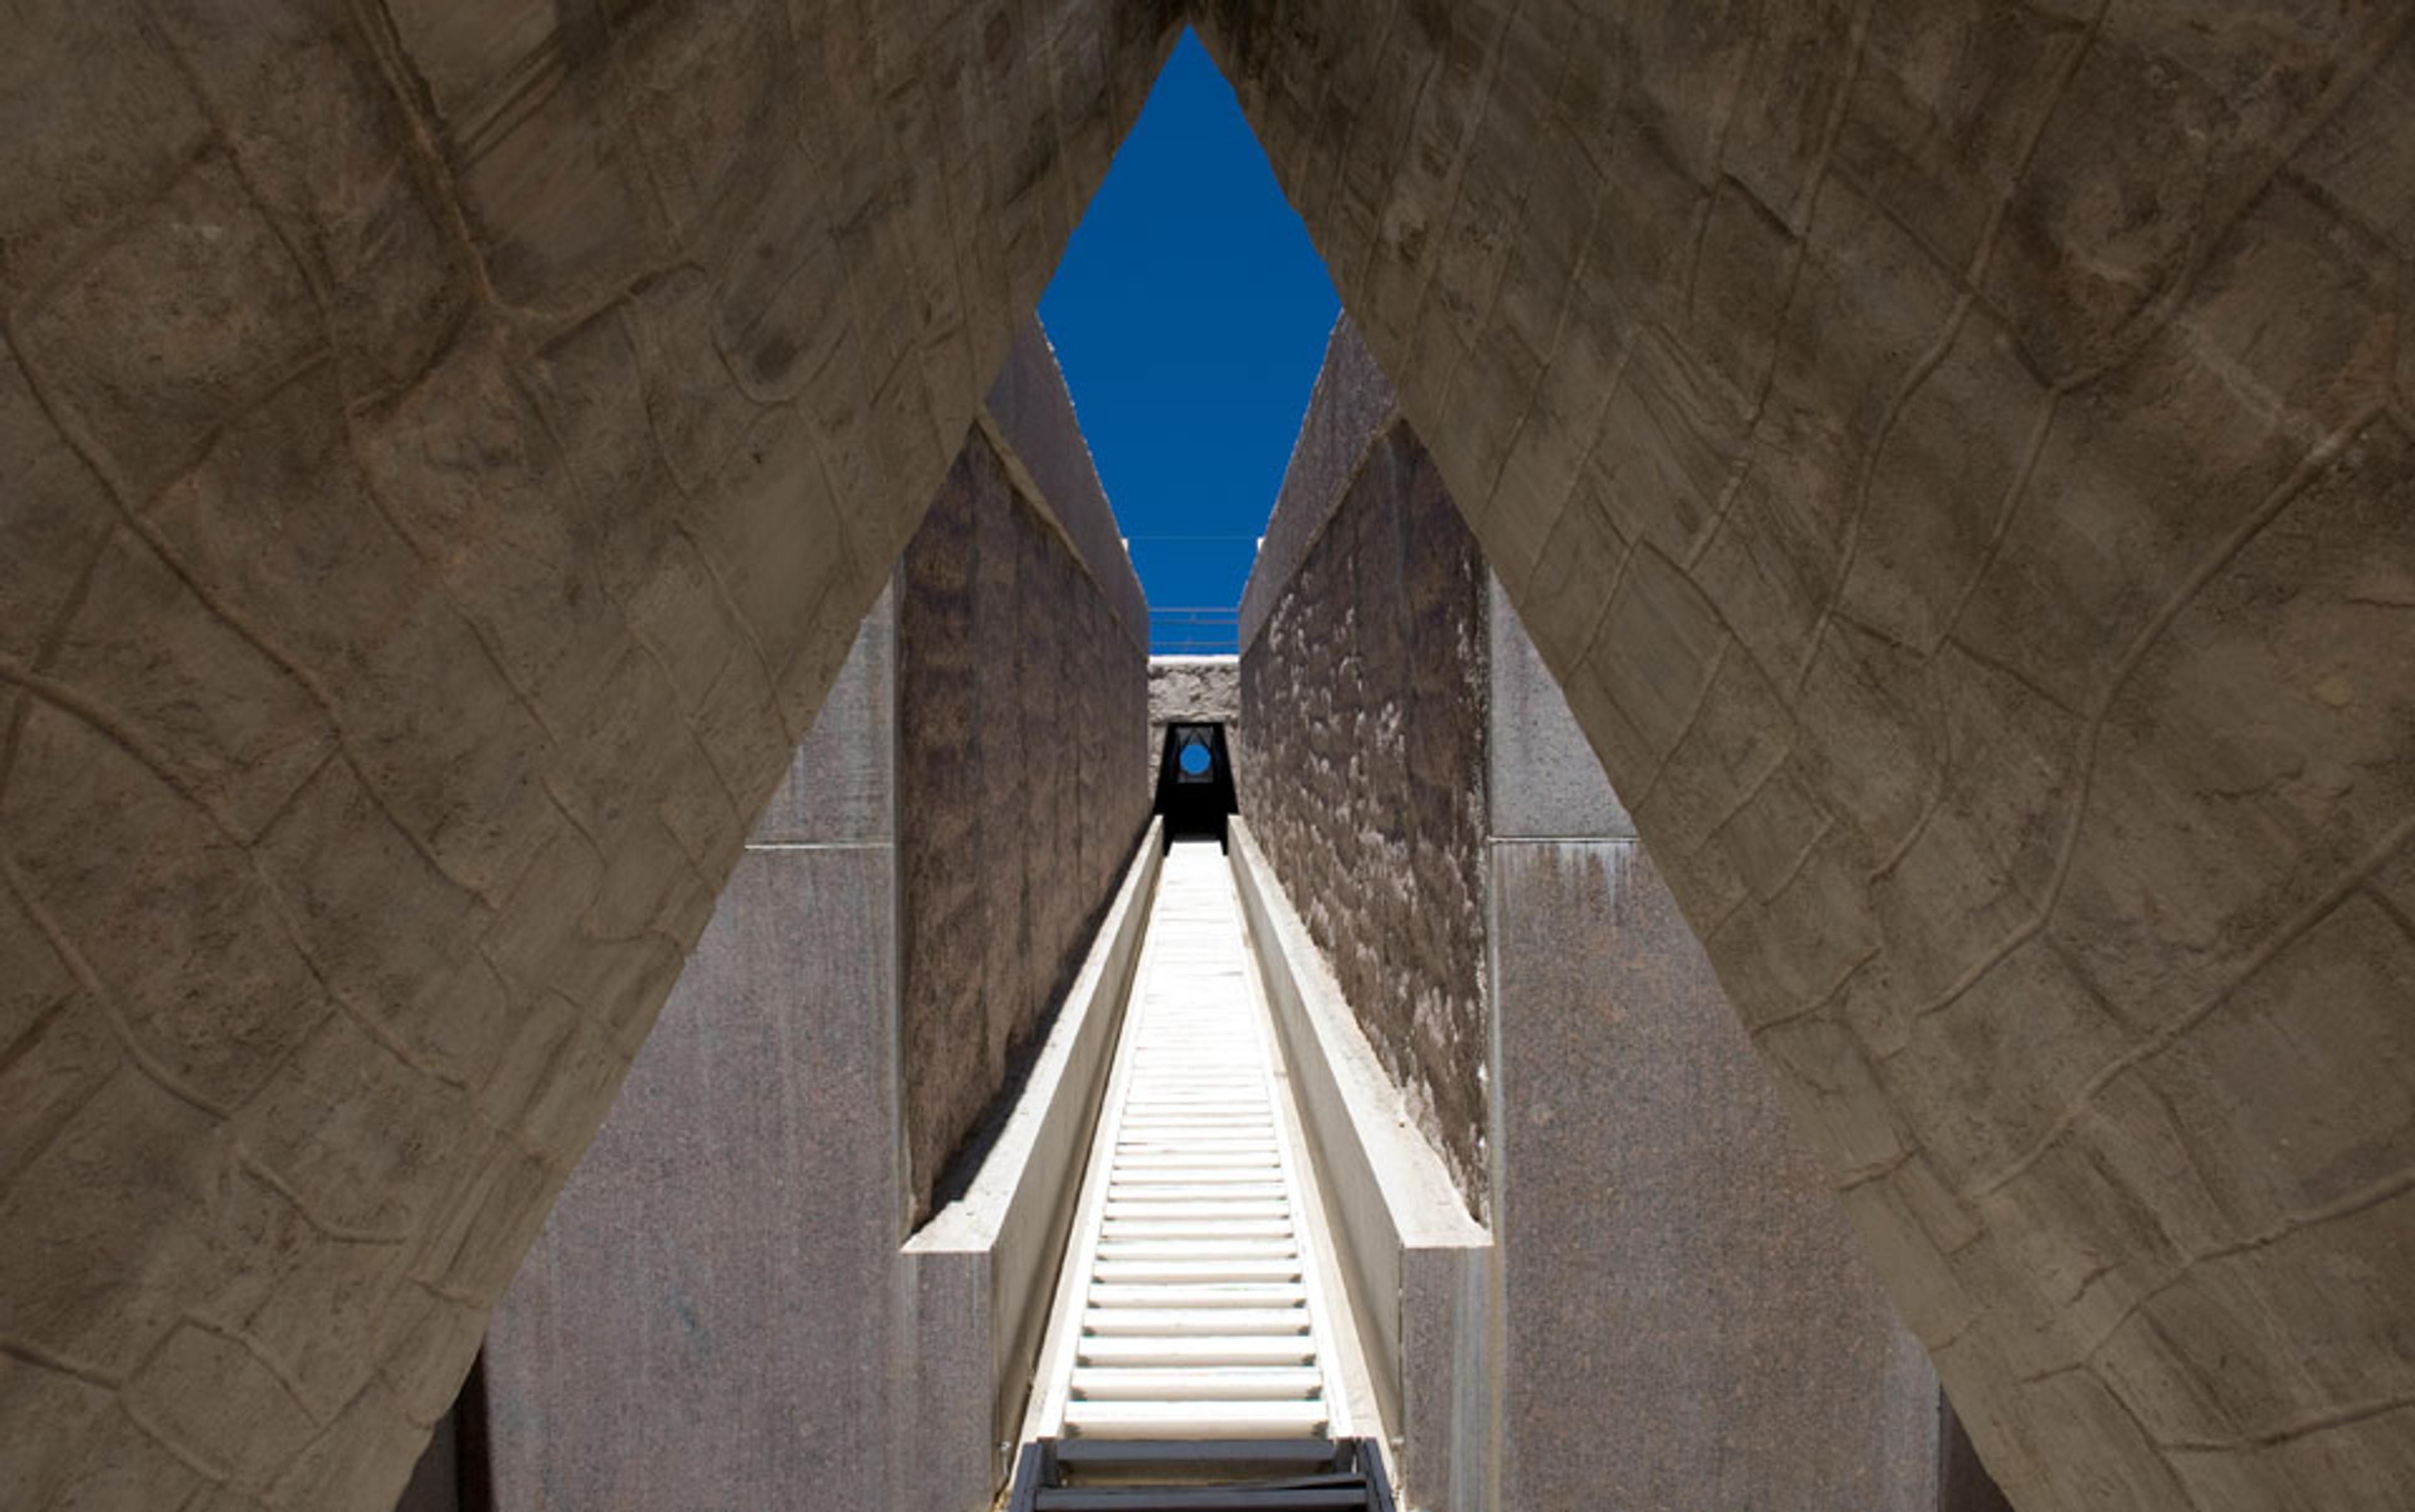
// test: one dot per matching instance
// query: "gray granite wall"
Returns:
(677, 1336)
(1688, 1319)
(1362, 691)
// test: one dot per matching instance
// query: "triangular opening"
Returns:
(1190, 315)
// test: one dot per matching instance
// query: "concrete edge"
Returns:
(1029, 418)
(1419, 1269)
(1351, 405)
(978, 1278)
(1027, 488)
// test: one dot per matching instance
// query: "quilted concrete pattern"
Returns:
(1959, 459)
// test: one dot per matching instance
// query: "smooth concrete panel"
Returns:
(1688, 1319)
(1545, 781)
(701, 1323)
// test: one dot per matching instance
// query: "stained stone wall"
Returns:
(1363, 695)
(1958, 460)
(1023, 719)
(1184, 690)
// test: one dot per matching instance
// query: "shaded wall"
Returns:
(451, 448)
(1023, 719)
(712, 1316)
(1688, 1318)
(672, 1340)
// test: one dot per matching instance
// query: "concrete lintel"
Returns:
(975, 1282)
(1419, 1268)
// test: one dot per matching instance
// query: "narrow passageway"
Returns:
(1194, 1342)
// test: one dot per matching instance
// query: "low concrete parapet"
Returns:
(975, 1283)
(1420, 1270)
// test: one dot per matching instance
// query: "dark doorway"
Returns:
(1194, 782)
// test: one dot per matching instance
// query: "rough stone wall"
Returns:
(451, 446)
(1190, 690)
(1022, 713)
(1961, 461)
(1363, 694)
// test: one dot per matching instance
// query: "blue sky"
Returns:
(1190, 315)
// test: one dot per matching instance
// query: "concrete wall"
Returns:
(1956, 457)
(714, 1315)
(671, 1341)
(1688, 1318)
(1684, 1316)
(452, 447)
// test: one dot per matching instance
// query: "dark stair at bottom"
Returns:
(1193, 1476)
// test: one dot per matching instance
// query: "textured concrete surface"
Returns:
(1956, 455)
(1363, 692)
(1022, 707)
(669, 1341)
(1191, 689)
(452, 447)
(1957, 459)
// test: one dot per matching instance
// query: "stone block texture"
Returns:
(1191, 689)
(1956, 457)
(1363, 777)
